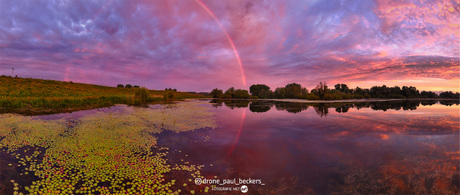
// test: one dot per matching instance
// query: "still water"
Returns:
(377, 147)
(398, 147)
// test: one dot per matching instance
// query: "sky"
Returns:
(198, 45)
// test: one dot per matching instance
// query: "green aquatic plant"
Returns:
(102, 152)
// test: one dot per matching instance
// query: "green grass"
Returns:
(38, 96)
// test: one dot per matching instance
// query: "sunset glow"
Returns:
(202, 44)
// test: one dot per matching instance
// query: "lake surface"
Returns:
(376, 147)
(297, 148)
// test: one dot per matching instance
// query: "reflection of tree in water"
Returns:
(230, 103)
(449, 102)
(292, 107)
(428, 102)
(260, 107)
(405, 105)
(344, 108)
(216, 103)
(322, 109)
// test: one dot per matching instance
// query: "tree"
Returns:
(240, 93)
(265, 94)
(230, 92)
(256, 89)
(450, 95)
(337, 87)
(359, 91)
(280, 93)
(120, 86)
(217, 93)
(293, 90)
(321, 90)
(428, 94)
(136, 86)
(344, 88)
(128, 86)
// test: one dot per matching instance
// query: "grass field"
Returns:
(38, 96)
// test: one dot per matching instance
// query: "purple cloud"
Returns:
(178, 44)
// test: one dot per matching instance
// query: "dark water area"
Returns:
(296, 148)
(391, 147)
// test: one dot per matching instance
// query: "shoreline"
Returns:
(335, 101)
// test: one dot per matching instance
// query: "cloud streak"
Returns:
(177, 44)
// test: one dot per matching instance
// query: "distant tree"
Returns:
(293, 90)
(265, 94)
(136, 86)
(359, 91)
(280, 93)
(217, 93)
(120, 86)
(242, 94)
(175, 90)
(449, 95)
(410, 92)
(256, 89)
(428, 94)
(342, 88)
(321, 90)
(230, 92)
(337, 87)
(128, 86)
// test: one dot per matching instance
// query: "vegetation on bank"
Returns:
(323, 92)
(34, 96)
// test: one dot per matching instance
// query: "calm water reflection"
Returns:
(373, 147)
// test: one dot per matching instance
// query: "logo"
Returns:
(244, 189)
(198, 181)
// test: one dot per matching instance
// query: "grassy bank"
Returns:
(38, 96)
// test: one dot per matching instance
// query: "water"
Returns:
(376, 147)
(403, 147)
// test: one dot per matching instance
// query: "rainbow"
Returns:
(228, 38)
(239, 133)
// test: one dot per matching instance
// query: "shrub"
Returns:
(167, 95)
(312, 96)
(120, 86)
(141, 96)
(128, 86)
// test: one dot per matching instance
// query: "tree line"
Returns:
(323, 92)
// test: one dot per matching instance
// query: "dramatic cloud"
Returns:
(179, 44)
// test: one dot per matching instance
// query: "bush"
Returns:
(167, 95)
(128, 86)
(120, 86)
(141, 96)
(312, 96)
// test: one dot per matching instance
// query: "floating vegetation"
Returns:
(100, 153)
